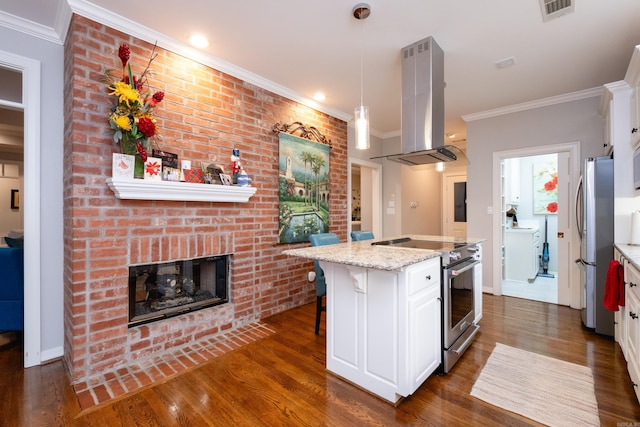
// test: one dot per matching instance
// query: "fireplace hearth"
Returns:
(158, 291)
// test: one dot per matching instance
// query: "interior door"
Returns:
(455, 206)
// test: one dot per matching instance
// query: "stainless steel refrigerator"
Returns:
(594, 217)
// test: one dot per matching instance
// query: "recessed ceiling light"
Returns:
(199, 41)
(319, 96)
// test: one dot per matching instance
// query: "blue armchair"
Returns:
(12, 289)
(321, 284)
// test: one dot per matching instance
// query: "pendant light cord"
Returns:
(361, 64)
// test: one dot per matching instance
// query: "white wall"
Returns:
(391, 189)
(421, 209)
(571, 121)
(51, 57)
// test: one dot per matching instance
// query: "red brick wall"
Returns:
(204, 115)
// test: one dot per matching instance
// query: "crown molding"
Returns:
(545, 102)
(30, 28)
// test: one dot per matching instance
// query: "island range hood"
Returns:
(423, 107)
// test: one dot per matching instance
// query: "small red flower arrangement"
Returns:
(131, 118)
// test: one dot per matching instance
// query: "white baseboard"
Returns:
(53, 353)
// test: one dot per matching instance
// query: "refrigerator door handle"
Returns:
(577, 207)
(582, 264)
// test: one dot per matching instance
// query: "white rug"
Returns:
(547, 390)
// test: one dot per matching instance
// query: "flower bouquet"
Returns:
(131, 118)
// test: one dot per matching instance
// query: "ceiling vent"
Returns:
(555, 8)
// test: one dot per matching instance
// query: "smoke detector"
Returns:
(361, 11)
(555, 8)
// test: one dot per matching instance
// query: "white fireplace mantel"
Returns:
(140, 189)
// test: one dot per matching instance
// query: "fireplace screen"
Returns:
(157, 291)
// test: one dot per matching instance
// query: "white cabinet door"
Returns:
(477, 293)
(633, 339)
(635, 116)
(425, 342)
(620, 316)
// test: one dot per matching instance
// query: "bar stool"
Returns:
(321, 239)
(361, 235)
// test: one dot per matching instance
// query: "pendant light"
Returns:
(361, 11)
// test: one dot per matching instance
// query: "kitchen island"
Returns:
(383, 313)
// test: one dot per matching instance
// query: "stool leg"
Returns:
(319, 310)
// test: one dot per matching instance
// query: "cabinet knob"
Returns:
(631, 284)
(605, 145)
(633, 315)
(634, 130)
(429, 277)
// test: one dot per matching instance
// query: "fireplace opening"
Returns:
(158, 291)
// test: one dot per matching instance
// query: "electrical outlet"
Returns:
(311, 276)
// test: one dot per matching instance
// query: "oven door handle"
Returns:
(454, 271)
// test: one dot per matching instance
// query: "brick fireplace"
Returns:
(205, 114)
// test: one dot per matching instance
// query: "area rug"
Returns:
(547, 390)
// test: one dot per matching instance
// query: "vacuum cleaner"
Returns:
(544, 259)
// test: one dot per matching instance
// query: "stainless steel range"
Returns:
(458, 313)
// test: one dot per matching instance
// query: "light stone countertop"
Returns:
(380, 257)
(630, 252)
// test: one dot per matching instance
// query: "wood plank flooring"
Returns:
(281, 380)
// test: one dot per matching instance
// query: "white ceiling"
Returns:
(314, 45)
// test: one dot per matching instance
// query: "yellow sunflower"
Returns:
(125, 92)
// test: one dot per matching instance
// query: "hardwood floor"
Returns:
(281, 380)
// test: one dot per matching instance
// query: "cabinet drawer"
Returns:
(632, 279)
(423, 275)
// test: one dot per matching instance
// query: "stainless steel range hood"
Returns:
(423, 107)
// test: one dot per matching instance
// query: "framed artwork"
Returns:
(153, 169)
(545, 188)
(303, 188)
(15, 199)
(122, 166)
(225, 179)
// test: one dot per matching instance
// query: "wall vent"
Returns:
(555, 8)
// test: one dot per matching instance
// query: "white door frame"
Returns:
(30, 202)
(376, 189)
(573, 276)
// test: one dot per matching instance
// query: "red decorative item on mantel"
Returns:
(193, 175)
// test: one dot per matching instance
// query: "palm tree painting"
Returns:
(303, 188)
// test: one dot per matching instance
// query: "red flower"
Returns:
(124, 53)
(153, 168)
(552, 207)
(158, 96)
(550, 185)
(155, 99)
(141, 151)
(146, 126)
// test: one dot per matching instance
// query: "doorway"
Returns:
(561, 234)
(29, 104)
(530, 192)
(365, 202)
